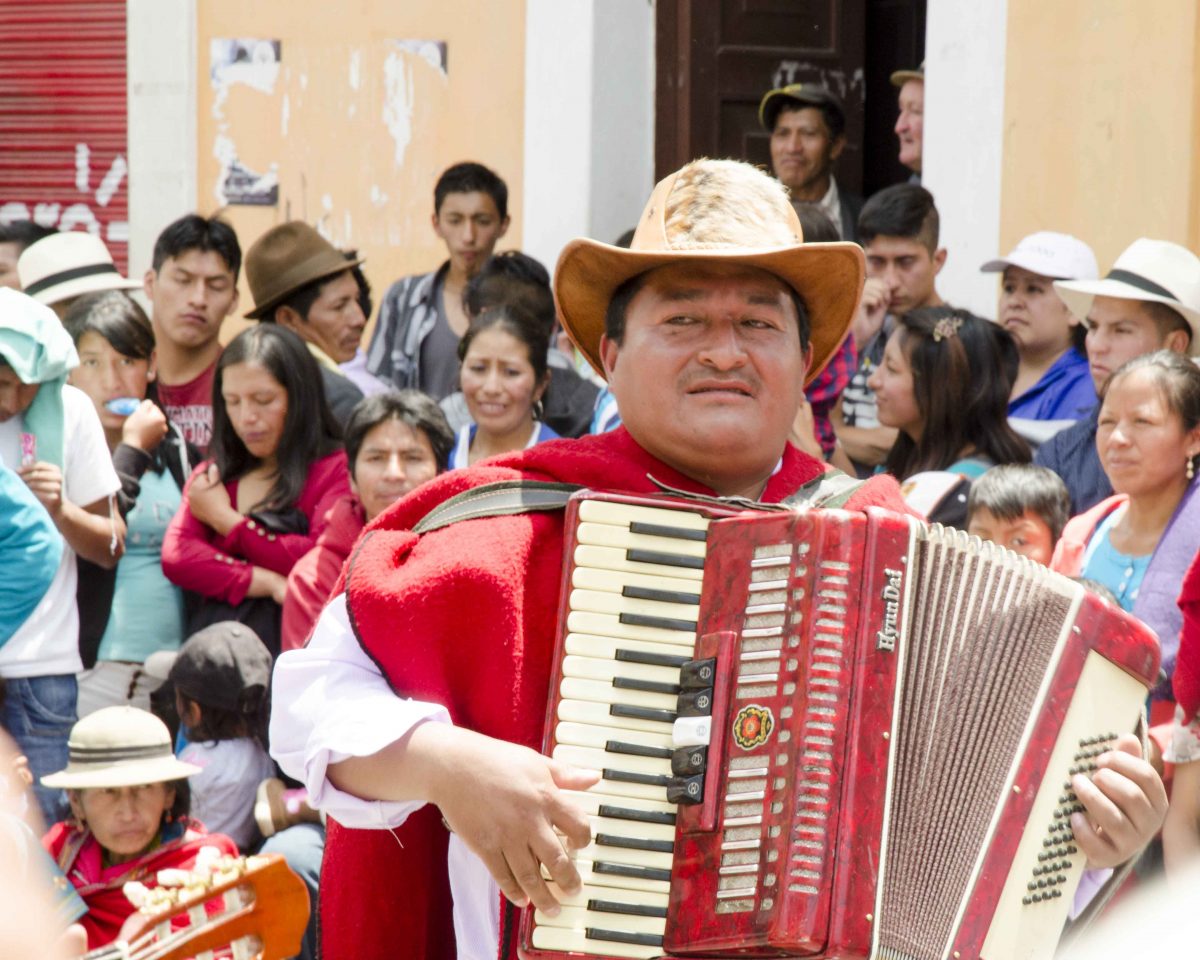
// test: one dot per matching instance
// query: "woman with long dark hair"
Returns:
(944, 384)
(260, 503)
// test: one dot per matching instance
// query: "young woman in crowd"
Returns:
(1139, 542)
(259, 505)
(128, 815)
(1053, 381)
(944, 384)
(503, 378)
(128, 613)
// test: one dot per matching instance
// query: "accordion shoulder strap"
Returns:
(830, 491)
(498, 499)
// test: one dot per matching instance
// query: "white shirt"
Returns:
(831, 205)
(47, 644)
(330, 702)
(223, 791)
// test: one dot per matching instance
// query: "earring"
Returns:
(1190, 472)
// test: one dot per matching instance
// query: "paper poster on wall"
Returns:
(399, 82)
(252, 63)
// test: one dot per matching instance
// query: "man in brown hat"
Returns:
(303, 282)
(706, 329)
(807, 124)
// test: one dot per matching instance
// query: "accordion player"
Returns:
(824, 734)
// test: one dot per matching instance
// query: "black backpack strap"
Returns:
(830, 491)
(496, 500)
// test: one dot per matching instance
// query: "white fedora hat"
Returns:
(1059, 256)
(1154, 271)
(69, 265)
(119, 747)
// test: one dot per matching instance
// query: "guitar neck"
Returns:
(256, 907)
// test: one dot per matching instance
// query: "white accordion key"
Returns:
(565, 940)
(608, 625)
(588, 735)
(613, 558)
(613, 648)
(593, 668)
(608, 581)
(591, 759)
(596, 601)
(624, 514)
(602, 535)
(603, 691)
(595, 803)
(580, 918)
(594, 875)
(643, 900)
(599, 713)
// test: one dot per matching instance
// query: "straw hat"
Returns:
(901, 77)
(718, 211)
(1155, 271)
(67, 265)
(119, 747)
(286, 258)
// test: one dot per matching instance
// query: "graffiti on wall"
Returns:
(90, 212)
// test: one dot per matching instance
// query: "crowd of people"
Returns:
(179, 513)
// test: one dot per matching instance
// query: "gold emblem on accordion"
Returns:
(752, 726)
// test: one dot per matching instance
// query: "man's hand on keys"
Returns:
(506, 802)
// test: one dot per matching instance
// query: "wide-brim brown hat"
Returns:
(286, 258)
(717, 211)
(119, 747)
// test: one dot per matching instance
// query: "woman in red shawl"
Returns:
(128, 819)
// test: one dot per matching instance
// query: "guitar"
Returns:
(254, 906)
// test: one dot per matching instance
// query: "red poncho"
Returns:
(79, 856)
(465, 617)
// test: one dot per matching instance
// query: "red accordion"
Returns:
(824, 734)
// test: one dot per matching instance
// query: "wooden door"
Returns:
(716, 59)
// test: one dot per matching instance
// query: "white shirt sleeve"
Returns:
(88, 471)
(330, 702)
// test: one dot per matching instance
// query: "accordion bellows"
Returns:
(825, 734)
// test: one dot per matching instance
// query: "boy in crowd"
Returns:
(51, 436)
(192, 288)
(15, 238)
(898, 227)
(422, 318)
(299, 280)
(1149, 301)
(1019, 506)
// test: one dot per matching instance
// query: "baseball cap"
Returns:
(224, 665)
(1056, 255)
(807, 94)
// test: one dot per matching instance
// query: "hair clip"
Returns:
(946, 327)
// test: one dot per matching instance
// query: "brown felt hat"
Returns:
(284, 259)
(724, 211)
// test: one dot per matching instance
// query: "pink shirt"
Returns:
(197, 558)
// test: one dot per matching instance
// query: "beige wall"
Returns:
(360, 129)
(1101, 124)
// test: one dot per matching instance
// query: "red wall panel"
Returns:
(64, 117)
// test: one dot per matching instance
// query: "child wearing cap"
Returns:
(1021, 507)
(221, 675)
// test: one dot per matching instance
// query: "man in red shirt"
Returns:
(192, 286)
